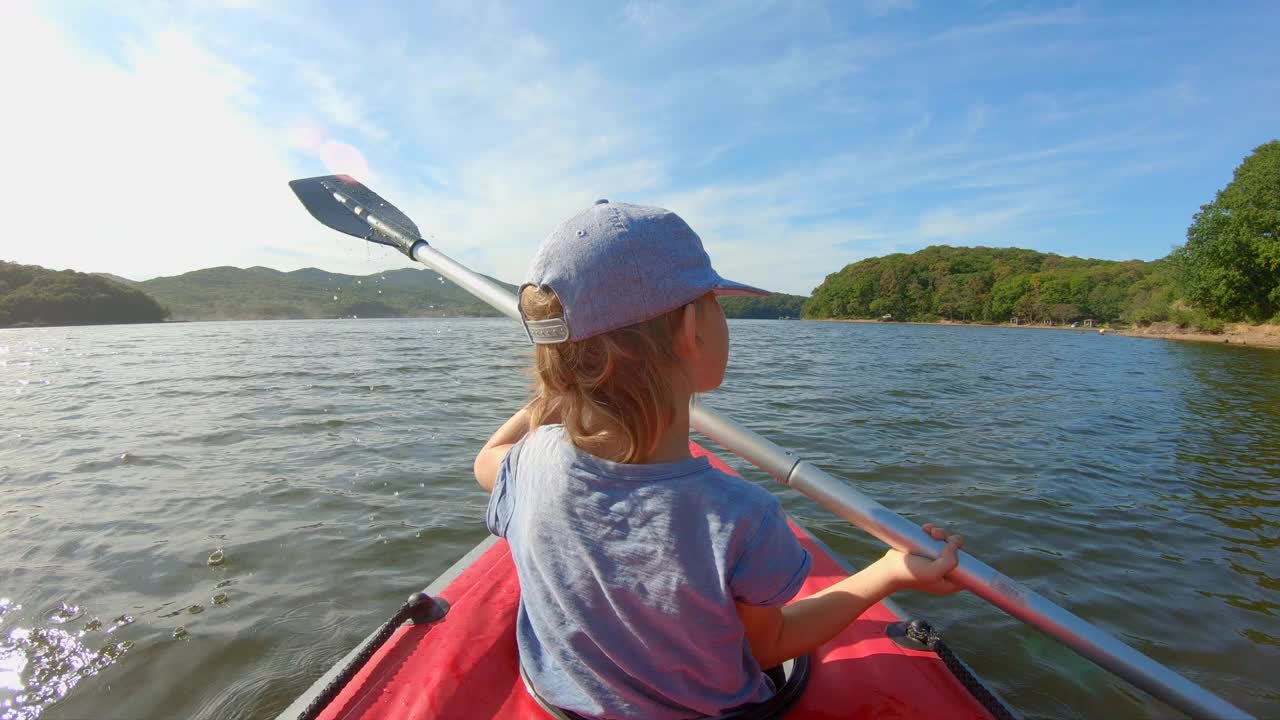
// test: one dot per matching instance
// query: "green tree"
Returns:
(1230, 264)
(1005, 295)
(33, 295)
(1064, 312)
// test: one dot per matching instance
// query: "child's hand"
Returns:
(915, 572)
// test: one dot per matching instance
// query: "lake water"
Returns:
(325, 467)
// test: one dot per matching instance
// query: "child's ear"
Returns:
(686, 332)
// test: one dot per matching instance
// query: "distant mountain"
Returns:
(259, 293)
(32, 295)
(116, 278)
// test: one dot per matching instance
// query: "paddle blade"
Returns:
(347, 206)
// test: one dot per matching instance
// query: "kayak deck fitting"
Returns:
(464, 665)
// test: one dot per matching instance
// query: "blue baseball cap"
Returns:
(616, 264)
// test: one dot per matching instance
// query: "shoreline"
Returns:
(1261, 336)
(1264, 335)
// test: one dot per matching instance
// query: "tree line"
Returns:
(979, 284)
(769, 307)
(1228, 270)
(32, 295)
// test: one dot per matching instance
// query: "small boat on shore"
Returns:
(458, 659)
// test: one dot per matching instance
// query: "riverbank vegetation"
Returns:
(1228, 270)
(32, 295)
(1230, 264)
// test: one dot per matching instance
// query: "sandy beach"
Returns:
(1264, 335)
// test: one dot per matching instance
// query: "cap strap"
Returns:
(547, 332)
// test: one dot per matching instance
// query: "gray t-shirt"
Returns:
(629, 574)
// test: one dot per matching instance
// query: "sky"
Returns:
(154, 138)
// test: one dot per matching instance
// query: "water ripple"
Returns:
(241, 502)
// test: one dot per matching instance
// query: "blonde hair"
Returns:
(612, 391)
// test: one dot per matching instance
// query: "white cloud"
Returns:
(1015, 21)
(173, 153)
(669, 22)
(950, 225)
(341, 109)
(880, 8)
(648, 16)
(154, 164)
(166, 161)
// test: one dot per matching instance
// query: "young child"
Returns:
(652, 585)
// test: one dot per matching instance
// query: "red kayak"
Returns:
(464, 665)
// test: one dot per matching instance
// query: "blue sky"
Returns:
(796, 137)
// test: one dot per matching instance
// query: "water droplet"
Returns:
(115, 650)
(180, 633)
(217, 557)
(335, 297)
(121, 621)
(359, 282)
(65, 613)
(220, 599)
(195, 609)
(224, 583)
(94, 624)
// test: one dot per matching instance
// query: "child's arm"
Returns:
(489, 459)
(777, 634)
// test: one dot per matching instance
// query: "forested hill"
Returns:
(32, 295)
(1228, 270)
(769, 307)
(984, 284)
(259, 293)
